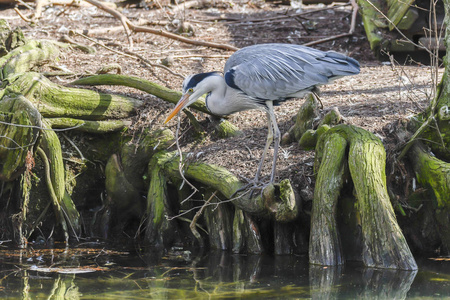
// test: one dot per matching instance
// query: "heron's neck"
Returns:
(215, 99)
(224, 100)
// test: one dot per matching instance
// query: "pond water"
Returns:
(85, 273)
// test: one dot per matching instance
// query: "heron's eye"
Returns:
(191, 90)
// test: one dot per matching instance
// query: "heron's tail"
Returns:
(342, 65)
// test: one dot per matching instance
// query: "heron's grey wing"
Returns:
(279, 71)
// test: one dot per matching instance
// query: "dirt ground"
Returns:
(380, 95)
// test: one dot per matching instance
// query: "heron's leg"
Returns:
(276, 136)
(255, 184)
(266, 148)
(273, 132)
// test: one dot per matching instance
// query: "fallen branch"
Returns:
(24, 4)
(182, 39)
(127, 24)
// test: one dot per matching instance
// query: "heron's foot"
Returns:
(253, 185)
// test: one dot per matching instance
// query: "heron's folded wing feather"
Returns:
(278, 71)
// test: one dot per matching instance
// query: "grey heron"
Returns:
(261, 76)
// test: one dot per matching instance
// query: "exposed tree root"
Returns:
(54, 101)
(19, 126)
(434, 174)
(324, 242)
(383, 245)
(282, 208)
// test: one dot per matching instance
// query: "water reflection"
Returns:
(109, 275)
(323, 281)
(359, 283)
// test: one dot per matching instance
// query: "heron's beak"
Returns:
(180, 105)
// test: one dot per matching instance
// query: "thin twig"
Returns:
(24, 4)
(160, 52)
(195, 218)
(439, 133)
(354, 15)
(101, 44)
(23, 17)
(196, 225)
(41, 128)
(75, 146)
(14, 142)
(102, 31)
(436, 92)
(263, 20)
(331, 38)
(181, 165)
(221, 202)
(146, 61)
(194, 55)
(125, 22)
(412, 89)
(17, 144)
(38, 219)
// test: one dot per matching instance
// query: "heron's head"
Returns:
(194, 86)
